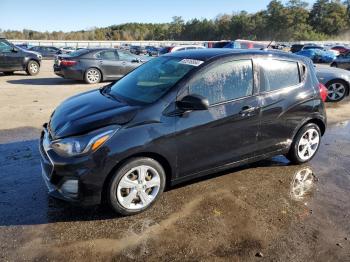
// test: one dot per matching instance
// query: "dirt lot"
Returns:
(269, 211)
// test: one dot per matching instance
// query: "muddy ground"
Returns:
(269, 211)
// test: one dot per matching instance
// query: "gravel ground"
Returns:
(268, 211)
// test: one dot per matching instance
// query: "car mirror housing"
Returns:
(193, 102)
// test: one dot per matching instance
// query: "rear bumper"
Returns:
(71, 73)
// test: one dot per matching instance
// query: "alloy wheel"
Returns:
(336, 91)
(138, 188)
(93, 76)
(308, 144)
(33, 67)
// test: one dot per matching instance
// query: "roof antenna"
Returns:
(266, 48)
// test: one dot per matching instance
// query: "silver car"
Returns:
(336, 80)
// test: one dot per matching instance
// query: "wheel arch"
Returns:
(155, 156)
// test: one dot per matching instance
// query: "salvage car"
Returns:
(96, 65)
(14, 58)
(177, 117)
(336, 80)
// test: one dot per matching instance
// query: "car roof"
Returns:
(211, 53)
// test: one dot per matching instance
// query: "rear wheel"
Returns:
(334, 65)
(33, 68)
(305, 145)
(337, 90)
(92, 76)
(136, 186)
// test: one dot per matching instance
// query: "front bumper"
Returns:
(88, 172)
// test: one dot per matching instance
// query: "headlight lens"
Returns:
(80, 145)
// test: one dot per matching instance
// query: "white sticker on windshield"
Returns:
(192, 62)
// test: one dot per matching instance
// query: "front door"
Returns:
(130, 62)
(10, 58)
(227, 131)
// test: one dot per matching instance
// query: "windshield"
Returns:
(149, 82)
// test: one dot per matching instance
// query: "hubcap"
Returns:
(93, 76)
(336, 91)
(308, 144)
(33, 67)
(138, 187)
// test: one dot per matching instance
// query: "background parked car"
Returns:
(138, 50)
(317, 55)
(336, 80)
(153, 51)
(296, 48)
(47, 52)
(171, 49)
(67, 49)
(341, 49)
(24, 46)
(342, 61)
(95, 65)
(13, 58)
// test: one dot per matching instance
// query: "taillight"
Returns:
(323, 92)
(68, 62)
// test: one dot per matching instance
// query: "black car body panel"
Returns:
(187, 144)
(112, 67)
(13, 58)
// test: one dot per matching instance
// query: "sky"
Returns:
(72, 15)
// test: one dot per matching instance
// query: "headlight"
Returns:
(80, 145)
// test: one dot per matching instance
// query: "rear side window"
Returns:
(224, 82)
(278, 74)
(106, 55)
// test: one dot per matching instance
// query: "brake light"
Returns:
(68, 62)
(323, 92)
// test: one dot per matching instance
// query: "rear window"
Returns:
(79, 52)
(278, 74)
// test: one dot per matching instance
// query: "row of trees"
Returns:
(292, 21)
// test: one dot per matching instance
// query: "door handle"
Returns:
(247, 110)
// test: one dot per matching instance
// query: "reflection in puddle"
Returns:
(302, 183)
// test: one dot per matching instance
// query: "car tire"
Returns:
(33, 68)
(9, 73)
(305, 144)
(337, 90)
(130, 193)
(334, 65)
(92, 76)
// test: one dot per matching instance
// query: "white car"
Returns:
(171, 49)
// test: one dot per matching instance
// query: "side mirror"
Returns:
(14, 50)
(193, 102)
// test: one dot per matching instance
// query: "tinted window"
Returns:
(277, 74)
(5, 47)
(106, 55)
(124, 56)
(224, 82)
(79, 52)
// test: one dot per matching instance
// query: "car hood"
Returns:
(88, 111)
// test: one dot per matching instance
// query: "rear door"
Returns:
(110, 65)
(286, 94)
(227, 131)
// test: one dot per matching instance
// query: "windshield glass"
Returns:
(149, 82)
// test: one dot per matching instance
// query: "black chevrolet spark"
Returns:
(180, 116)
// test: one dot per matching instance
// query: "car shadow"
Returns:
(45, 81)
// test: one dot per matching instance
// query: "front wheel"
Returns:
(136, 186)
(33, 68)
(93, 76)
(337, 90)
(305, 145)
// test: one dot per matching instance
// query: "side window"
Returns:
(5, 47)
(123, 56)
(181, 49)
(224, 82)
(106, 55)
(278, 74)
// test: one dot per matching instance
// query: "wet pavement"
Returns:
(267, 211)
